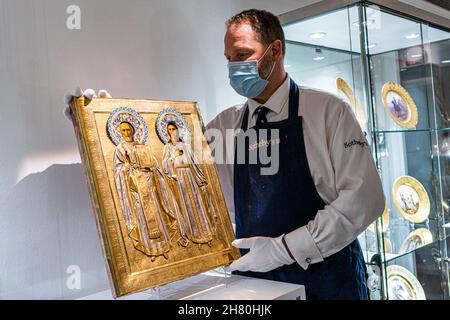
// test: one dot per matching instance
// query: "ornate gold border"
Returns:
(399, 272)
(413, 117)
(354, 102)
(424, 200)
(123, 280)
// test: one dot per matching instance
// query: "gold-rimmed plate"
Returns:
(399, 105)
(383, 224)
(351, 98)
(416, 239)
(387, 245)
(403, 285)
(411, 199)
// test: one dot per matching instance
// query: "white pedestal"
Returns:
(213, 285)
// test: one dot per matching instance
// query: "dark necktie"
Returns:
(261, 113)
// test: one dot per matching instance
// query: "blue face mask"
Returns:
(244, 77)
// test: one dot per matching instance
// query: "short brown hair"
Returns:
(266, 25)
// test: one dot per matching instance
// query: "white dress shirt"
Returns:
(341, 166)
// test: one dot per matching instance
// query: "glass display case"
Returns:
(394, 70)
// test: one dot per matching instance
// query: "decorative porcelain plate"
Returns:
(403, 285)
(416, 239)
(411, 199)
(344, 87)
(399, 105)
(387, 245)
(383, 225)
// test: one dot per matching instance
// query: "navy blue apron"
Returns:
(270, 205)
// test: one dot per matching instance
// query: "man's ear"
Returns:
(277, 49)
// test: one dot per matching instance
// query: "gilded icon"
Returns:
(156, 193)
(411, 199)
(403, 285)
(399, 105)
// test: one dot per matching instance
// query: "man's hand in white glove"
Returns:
(265, 254)
(88, 94)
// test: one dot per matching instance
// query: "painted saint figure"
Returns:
(190, 186)
(409, 204)
(399, 109)
(147, 202)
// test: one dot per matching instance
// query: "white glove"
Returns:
(89, 94)
(265, 254)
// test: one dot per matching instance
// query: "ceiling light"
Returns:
(372, 45)
(412, 36)
(319, 58)
(317, 35)
(416, 55)
(445, 61)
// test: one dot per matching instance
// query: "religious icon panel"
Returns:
(155, 190)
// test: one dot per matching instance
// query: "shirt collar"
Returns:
(276, 102)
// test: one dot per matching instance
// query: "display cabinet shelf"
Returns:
(411, 130)
(390, 258)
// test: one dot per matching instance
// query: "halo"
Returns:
(171, 115)
(416, 212)
(130, 115)
(412, 117)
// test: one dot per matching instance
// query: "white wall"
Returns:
(159, 49)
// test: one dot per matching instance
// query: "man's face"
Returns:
(241, 44)
(126, 131)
